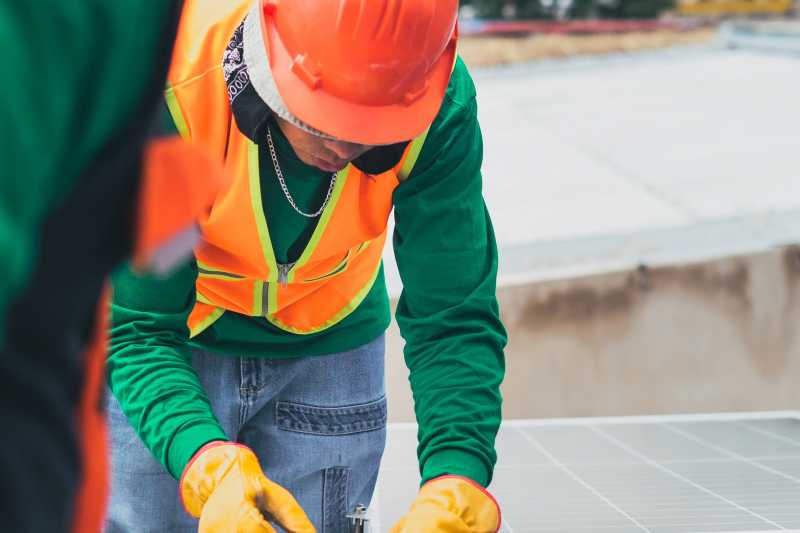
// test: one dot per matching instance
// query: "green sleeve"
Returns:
(149, 366)
(448, 312)
(72, 74)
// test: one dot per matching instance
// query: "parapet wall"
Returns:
(713, 336)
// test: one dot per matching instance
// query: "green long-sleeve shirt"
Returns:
(448, 314)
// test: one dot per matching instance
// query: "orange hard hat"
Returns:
(364, 71)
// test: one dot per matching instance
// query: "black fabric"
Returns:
(381, 158)
(252, 115)
(50, 323)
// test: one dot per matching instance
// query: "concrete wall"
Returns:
(717, 336)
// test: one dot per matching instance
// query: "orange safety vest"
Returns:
(237, 270)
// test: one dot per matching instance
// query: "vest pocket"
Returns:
(342, 265)
(206, 272)
(338, 269)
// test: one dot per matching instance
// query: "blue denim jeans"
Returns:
(317, 424)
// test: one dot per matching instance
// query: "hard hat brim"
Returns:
(350, 121)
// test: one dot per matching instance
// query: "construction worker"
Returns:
(86, 181)
(254, 375)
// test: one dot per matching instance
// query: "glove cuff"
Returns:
(477, 486)
(200, 477)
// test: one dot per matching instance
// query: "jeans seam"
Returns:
(258, 384)
(245, 397)
(335, 488)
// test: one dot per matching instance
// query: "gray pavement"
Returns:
(625, 146)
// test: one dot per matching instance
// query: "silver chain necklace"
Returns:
(286, 192)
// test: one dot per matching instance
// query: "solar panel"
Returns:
(671, 474)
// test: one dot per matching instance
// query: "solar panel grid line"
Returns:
(667, 512)
(580, 480)
(677, 475)
(688, 526)
(754, 531)
(581, 528)
(771, 434)
(734, 455)
(514, 466)
(645, 507)
(658, 522)
(644, 419)
(505, 526)
(726, 460)
(739, 440)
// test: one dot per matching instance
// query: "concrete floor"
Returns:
(621, 145)
(627, 145)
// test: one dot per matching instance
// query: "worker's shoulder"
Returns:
(205, 29)
(461, 89)
(458, 108)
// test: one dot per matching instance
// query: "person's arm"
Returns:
(448, 312)
(149, 365)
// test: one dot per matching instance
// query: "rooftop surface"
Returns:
(597, 163)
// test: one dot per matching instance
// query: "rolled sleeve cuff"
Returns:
(188, 441)
(458, 463)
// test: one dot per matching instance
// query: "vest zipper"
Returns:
(283, 272)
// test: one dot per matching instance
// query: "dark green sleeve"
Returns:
(72, 74)
(149, 366)
(448, 313)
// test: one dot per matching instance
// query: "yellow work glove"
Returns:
(451, 504)
(224, 487)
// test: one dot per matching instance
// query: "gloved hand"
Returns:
(224, 487)
(451, 504)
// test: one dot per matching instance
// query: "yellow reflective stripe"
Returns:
(272, 297)
(327, 213)
(202, 299)
(258, 210)
(412, 156)
(338, 317)
(206, 322)
(258, 298)
(203, 266)
(176, 113)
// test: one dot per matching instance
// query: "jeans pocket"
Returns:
(345, 420)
